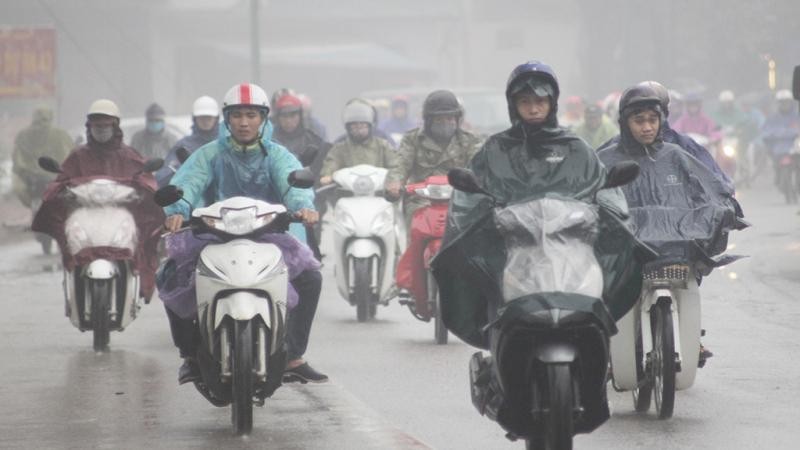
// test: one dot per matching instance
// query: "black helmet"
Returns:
(519, 78)
(638, 96)
(661, 92)
(440, 103)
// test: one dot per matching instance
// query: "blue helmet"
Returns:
(521, 74)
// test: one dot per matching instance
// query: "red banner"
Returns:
(27, 62)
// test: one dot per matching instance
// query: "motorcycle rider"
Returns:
(782, 128)
(641, 125)
(247, 163)
(596, 127)
(668, 134)
(360, 146)
(292, 132)
(154, 141)
(694, 120)
(205, 128)
(310, 120)
(435, 148)
(41, 138)
(534, 157)
(399, 122)
(104, 154)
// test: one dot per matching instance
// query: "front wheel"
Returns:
(644, 390)
(242, 386)
(663, 359)
(554, 396)
(101, 294)
(362, 293)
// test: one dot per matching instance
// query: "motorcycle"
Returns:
(364, 239)
(241, 297)
(549, 340)
(414, 269)
(102, 295)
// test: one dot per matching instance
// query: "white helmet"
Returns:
(246, 94)
(104, 107)
(205, 106)
(783, 94)
(358, 110)
(726, 96)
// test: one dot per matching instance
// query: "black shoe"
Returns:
(704, 355)
(189, 371)
(304, 374)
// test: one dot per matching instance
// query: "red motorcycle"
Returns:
(413, 269)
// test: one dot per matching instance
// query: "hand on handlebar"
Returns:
(393, 188)
(173, 223)
(308, 216)
(325, 180)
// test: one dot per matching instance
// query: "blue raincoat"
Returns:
(222, 169)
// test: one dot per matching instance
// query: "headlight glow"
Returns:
(729, 151)
(238, 221)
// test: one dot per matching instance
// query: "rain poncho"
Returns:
(521, 164)
(221, 169)
(153, 145)
(192, 142)
(347, 153)
(39, 139)
(780, 131)
(595, 138)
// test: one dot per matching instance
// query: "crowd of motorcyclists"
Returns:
(251, 145)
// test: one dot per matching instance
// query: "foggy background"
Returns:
(172, 51)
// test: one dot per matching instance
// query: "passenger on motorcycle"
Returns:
(440, 145)
(361, 145)
(205, 128)
(247, 163)
(105, 155)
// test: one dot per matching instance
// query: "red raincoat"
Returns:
(118, 162)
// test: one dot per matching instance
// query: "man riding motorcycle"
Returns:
(205, 128)
(155, 140)
(104, 155)
(535, 157)
(247, 163)
(596, 128)
(41, 138)
(440, 145)
(361, 146)
(782, 128)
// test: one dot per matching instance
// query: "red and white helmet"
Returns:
(246, 94)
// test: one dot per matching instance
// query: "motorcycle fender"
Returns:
(555, 352)
(362, 248)
(242, 305)
(100, 269)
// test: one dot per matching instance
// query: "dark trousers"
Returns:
(186, 334)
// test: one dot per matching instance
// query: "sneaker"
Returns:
(304, 374)
(189, 371)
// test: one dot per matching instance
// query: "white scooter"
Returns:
(102, 295)
(241, 299)
(365, 240)
(657, 348)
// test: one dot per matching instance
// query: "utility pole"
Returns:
(255, 44)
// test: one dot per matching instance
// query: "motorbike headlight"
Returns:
(238, 221)
(383, 222)
(435, 191)
(363, 186)
(729, 151)
(345, 221)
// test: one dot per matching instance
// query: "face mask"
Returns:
(155, 127)
(443, 131)
(102, 134)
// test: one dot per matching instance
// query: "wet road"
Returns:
(392, 387)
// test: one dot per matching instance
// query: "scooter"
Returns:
(103, 295)
(365, 239)
(241, 287)
(545, 378)
(414, 268)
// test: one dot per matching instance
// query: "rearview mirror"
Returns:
(302, 178)
(182, 154)
(49, 164)
(621, 174)
(465, 180)
(168, 195)
(151, 165)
